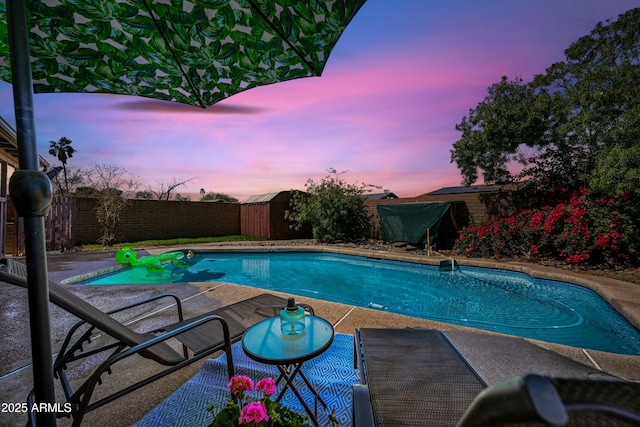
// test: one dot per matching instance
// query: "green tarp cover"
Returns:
(408, 222)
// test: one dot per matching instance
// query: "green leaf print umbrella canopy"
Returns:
(190, 51)
(195, 52)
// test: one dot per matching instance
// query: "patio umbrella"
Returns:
(196, 52)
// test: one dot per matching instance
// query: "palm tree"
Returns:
(63, 150)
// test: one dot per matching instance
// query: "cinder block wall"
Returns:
(159, 219)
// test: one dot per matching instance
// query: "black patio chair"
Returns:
(538, 400)
(199, 337)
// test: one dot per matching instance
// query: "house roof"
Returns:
(379, 196)
(261, 198)
(8, 143)
(465, 189)
(9, 146)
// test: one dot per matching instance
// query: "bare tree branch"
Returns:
(165, 189)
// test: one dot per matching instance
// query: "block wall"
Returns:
(159, 219)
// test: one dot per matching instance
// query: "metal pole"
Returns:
(31, 193)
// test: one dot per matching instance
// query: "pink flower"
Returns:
(254, 412)
(267, 386)
(239, 384)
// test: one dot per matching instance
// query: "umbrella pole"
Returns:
(31, 192)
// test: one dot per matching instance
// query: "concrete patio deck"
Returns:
(495, 357)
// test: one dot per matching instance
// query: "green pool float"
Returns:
(153, 263)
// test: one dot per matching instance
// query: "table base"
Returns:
(288, 375)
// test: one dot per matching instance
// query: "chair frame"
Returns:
(127, 342)
(72, 351)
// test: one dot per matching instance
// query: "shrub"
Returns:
(334, 208)
(576, 228)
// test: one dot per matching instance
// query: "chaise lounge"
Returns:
(417, 377)
(196, 338)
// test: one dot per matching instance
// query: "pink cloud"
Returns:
(385, 108)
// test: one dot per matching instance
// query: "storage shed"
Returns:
(262, 216)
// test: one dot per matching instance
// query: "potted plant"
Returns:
(242, 411)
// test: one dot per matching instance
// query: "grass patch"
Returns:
(168, 242)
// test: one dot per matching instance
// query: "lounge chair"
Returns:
(535, 399)
(199, 337)
(411, 377)
(416, 377)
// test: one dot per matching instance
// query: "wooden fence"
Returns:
(58, 226)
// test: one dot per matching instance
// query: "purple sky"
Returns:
(401, 77)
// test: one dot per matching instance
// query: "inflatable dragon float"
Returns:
(152, 263)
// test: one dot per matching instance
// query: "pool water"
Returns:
(490, 299)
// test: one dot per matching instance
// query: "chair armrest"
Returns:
(308, 309)
(362, 412)
(87, 334)
(106, 365)
(531, 398)
(148, 300)
(87, 388)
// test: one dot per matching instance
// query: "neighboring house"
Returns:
(379, 196)
(8, 164)
(474, 196)
(467, 206)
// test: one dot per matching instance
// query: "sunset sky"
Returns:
(402, 76)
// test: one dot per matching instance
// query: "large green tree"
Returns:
(495, 131)
(562, 124)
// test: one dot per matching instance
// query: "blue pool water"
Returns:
(490, 299)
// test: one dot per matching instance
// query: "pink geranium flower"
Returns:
(239, 384)
(254, 412)
(241, 410)
(267, 386)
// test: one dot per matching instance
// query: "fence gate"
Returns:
(58, 226)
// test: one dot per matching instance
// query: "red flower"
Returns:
(577, 259)
(536, 219)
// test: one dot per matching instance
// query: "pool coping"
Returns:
(205, 296)
(623, 296)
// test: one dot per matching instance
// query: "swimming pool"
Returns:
(490, 299)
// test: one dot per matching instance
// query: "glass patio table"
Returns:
(265, 343)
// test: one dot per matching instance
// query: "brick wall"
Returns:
(159, 219)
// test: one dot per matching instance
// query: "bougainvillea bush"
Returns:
(570, 226)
